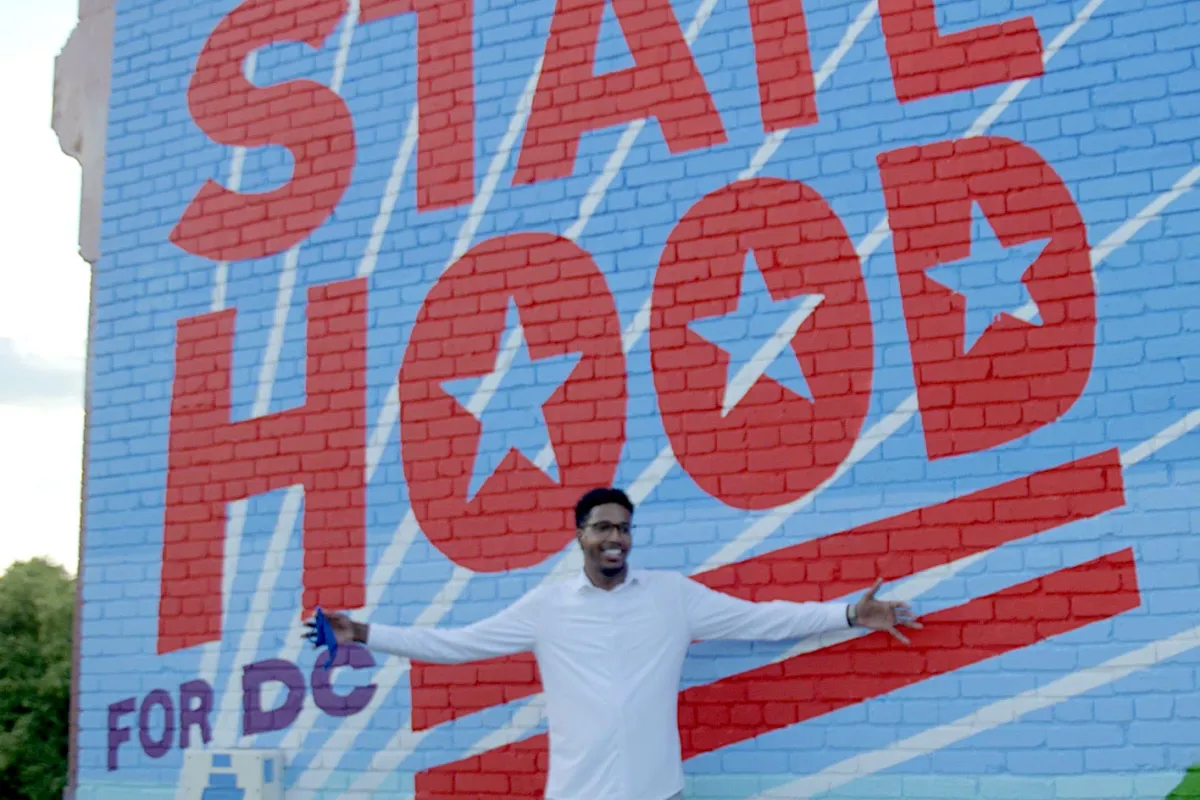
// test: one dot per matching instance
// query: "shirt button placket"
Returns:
(621, 676)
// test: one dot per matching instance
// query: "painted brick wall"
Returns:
(837, 291)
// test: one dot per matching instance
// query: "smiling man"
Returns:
(610, 645)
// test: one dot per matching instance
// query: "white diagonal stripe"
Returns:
(1168, 435)
(391, 194)
(225, 730)
(491, 382)
(616, 159)
(752, 370)
(389, 415)
(775, 140)
(987, 718)
(262, 402)
(1016, 87)
(499, 163)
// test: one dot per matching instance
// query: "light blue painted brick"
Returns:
(1117, 143)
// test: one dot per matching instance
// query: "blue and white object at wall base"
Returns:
(232, 775)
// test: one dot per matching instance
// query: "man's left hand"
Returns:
(884, 615)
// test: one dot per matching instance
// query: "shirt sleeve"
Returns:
(714, 615)
(513, 630)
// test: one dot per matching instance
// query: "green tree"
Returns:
(1189, 788)
(37, 605)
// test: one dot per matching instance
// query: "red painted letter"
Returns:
(521, 514)
(571, 100)
(926, 63)
(213, 461)
(748, 439)
(988, 373)
(445, 96)
(309, 119)
(785, 78)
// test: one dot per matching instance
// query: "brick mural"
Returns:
(838, 291)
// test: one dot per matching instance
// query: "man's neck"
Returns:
(602, 581)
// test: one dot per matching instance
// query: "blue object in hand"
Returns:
(322, 635)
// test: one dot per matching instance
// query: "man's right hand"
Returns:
(345, 630)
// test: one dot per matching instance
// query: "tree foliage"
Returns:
(1189, 788)
(37, 604)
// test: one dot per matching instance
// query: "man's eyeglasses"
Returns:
(605, 528)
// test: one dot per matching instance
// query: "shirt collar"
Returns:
(632, 578)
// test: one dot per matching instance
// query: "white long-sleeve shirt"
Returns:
(611, 663)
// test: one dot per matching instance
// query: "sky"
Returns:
(43, 298)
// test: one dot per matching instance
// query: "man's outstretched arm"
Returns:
(714, 615)
(513, 630)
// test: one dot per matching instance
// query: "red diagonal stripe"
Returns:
(829, 567)
(811, 684)
(779, 695)
(517, 770)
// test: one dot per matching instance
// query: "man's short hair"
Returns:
(600, 497)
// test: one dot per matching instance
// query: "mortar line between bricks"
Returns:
(767, 524)
(1010, 93)
(366, 267)
(236, 528)
(291, 259)
(764, 526)
(293, 645)
(470, 226)
(1002, 712)
(594, 196)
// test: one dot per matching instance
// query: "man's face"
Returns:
(605, 538)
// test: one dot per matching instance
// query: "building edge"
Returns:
(79, 118)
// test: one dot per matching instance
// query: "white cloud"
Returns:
(27, 378)
(41, 455)
(44, 288)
